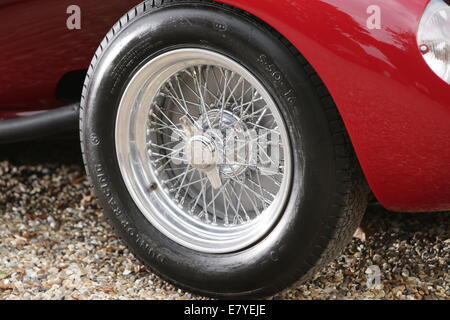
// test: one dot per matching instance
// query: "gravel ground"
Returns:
(56, 244)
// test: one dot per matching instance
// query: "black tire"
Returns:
(329, 194)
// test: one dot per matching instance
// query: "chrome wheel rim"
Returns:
(203, 150)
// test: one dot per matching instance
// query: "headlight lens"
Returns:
(434, 37)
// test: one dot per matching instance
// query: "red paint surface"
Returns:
(396, 110)
(37, 48)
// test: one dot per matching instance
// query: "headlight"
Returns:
(434, 37)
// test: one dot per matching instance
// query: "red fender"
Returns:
(396, 110)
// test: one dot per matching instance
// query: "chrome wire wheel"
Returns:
(203, 150)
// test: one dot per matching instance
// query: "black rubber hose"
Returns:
(60, 120)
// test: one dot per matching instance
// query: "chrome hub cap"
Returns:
(203, 151)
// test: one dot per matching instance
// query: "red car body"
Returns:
(396, 110)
